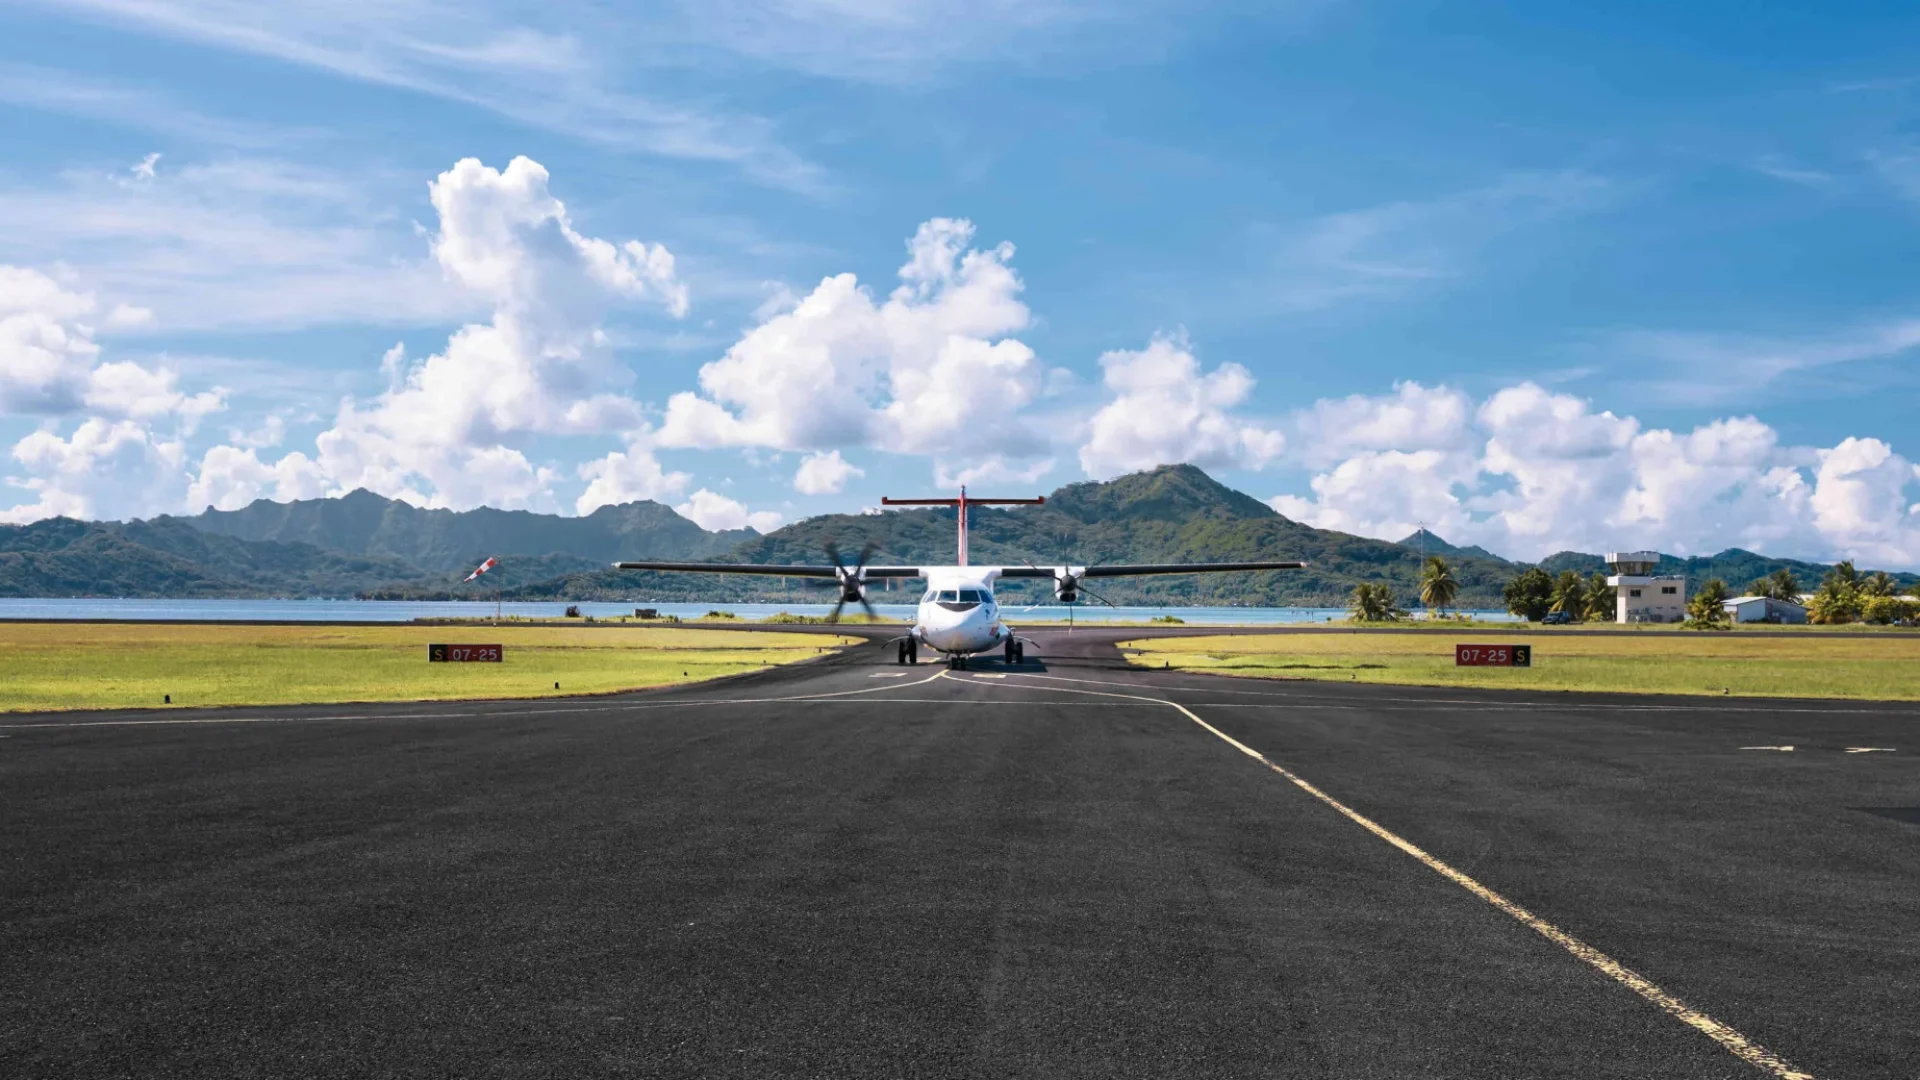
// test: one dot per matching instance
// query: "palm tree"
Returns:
(1569, 593)
(1374, 603)
(1602, 599)
(1785, 586)
(1438, 586)
(1844, 574)
(1708, 606)
(1878, 583)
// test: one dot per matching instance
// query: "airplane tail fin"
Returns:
(962, 503)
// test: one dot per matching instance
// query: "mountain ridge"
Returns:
(391, 549)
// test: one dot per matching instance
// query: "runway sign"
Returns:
(485, 654)
(1493, 656)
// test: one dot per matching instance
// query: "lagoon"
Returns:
(396, 611)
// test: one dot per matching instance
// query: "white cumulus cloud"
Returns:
(623, 477)
(1165, 410)
(932, 369)
(1530, 472)
(125, 454)
(714, 512)
(824, 474)
(449, 429)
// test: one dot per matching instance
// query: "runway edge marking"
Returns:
(1729, 1039)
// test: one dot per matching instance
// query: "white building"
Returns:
(1764, 609)
(1640, 595)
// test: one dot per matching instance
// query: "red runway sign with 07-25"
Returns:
(464, 654)
(1493, 656)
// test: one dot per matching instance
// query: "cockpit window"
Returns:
(971, 596)
(950, 596)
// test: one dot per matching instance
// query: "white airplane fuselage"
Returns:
(958, 614)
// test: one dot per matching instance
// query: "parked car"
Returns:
(1557, 618)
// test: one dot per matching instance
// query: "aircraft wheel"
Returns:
(1012, 653)
(903, 653)
(1019, 652)
(913, 652)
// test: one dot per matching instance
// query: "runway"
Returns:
(1070, 868)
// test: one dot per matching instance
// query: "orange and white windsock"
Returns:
(481, 569)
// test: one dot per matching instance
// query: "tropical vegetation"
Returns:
(1602, 599)
(1707, 610)
(1438, 586)
(1530, 595)
(1779, 585)
(1375, 603)
(1845, 596)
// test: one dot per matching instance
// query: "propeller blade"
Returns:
(834, 615)
(1096, 596)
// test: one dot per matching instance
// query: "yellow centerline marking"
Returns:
(1732, 1041)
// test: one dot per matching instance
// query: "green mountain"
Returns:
(1176, 513)
(362, 544)
(64, 557)
(362, 523)
(1424, 540)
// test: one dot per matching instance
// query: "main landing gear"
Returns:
(908, 652)
(1016, 652)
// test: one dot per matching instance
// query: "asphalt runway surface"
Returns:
(848, 868)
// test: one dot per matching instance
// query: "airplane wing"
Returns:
(769, 569)
(1123, 570)
(1188, 568)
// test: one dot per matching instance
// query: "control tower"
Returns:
(1642, 596)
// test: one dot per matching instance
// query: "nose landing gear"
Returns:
(908, 652)
(1016, 653)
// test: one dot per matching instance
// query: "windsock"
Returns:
(481, 569)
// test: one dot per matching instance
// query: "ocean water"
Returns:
(393, 611)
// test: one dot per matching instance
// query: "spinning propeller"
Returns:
(852, 582)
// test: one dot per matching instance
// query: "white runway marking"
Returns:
(1732, 1041)
(1784, 749)
(1561, 705)
(1870, 750)
(888, 675)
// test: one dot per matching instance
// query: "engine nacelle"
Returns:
(1066, 583)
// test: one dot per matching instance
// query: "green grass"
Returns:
(1784, 665)
(83, 666)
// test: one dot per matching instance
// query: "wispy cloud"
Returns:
(1722, 369)
(1782, 169)
(490, 57)
(914, 41)
(1393, 247)
(145, 108)
(241, 242)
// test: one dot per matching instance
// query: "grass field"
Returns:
(81, 666)
(1786, 665)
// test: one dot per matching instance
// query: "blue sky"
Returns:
(1540, 276)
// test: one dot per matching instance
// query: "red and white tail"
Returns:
(481, 569)
(962, 503)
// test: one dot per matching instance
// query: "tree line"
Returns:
(1844, 596)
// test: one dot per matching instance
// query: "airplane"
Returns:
(958, 615)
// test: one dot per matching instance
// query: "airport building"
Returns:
(1764, 609)
(1642, 596)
